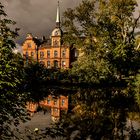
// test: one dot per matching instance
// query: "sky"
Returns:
(36, 16)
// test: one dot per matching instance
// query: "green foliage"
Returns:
(103, 32)
(12, 102)
(35, 82)
(107, 47)
(101, 82)
(39, 82)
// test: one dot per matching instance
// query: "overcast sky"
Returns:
(36, 16)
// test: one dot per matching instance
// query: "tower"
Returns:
(58, 16)
(57, 32)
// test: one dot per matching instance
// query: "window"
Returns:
(55, 110)
(29, 45)
(55, 64)
(55, 102)
(48, 101)
(63, 102)
(55, 43)
(63, 63)
(48, 64)
(63, 53)
(48, 53)
(41, 54)
(55, 53)
(42, 62)
(56, 33)
(32, 54)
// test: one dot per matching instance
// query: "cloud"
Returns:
(36, 16)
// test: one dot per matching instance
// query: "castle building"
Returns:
(52, 53)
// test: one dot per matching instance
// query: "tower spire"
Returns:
(58, 16)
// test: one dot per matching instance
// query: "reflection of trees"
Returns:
(104, 75)
(97, 115)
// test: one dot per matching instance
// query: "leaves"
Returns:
(12, 99)
(103, 32)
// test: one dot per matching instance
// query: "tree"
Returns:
(35, 82)
(103, 32)
(12, 99)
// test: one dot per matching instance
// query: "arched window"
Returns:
(55, 54)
